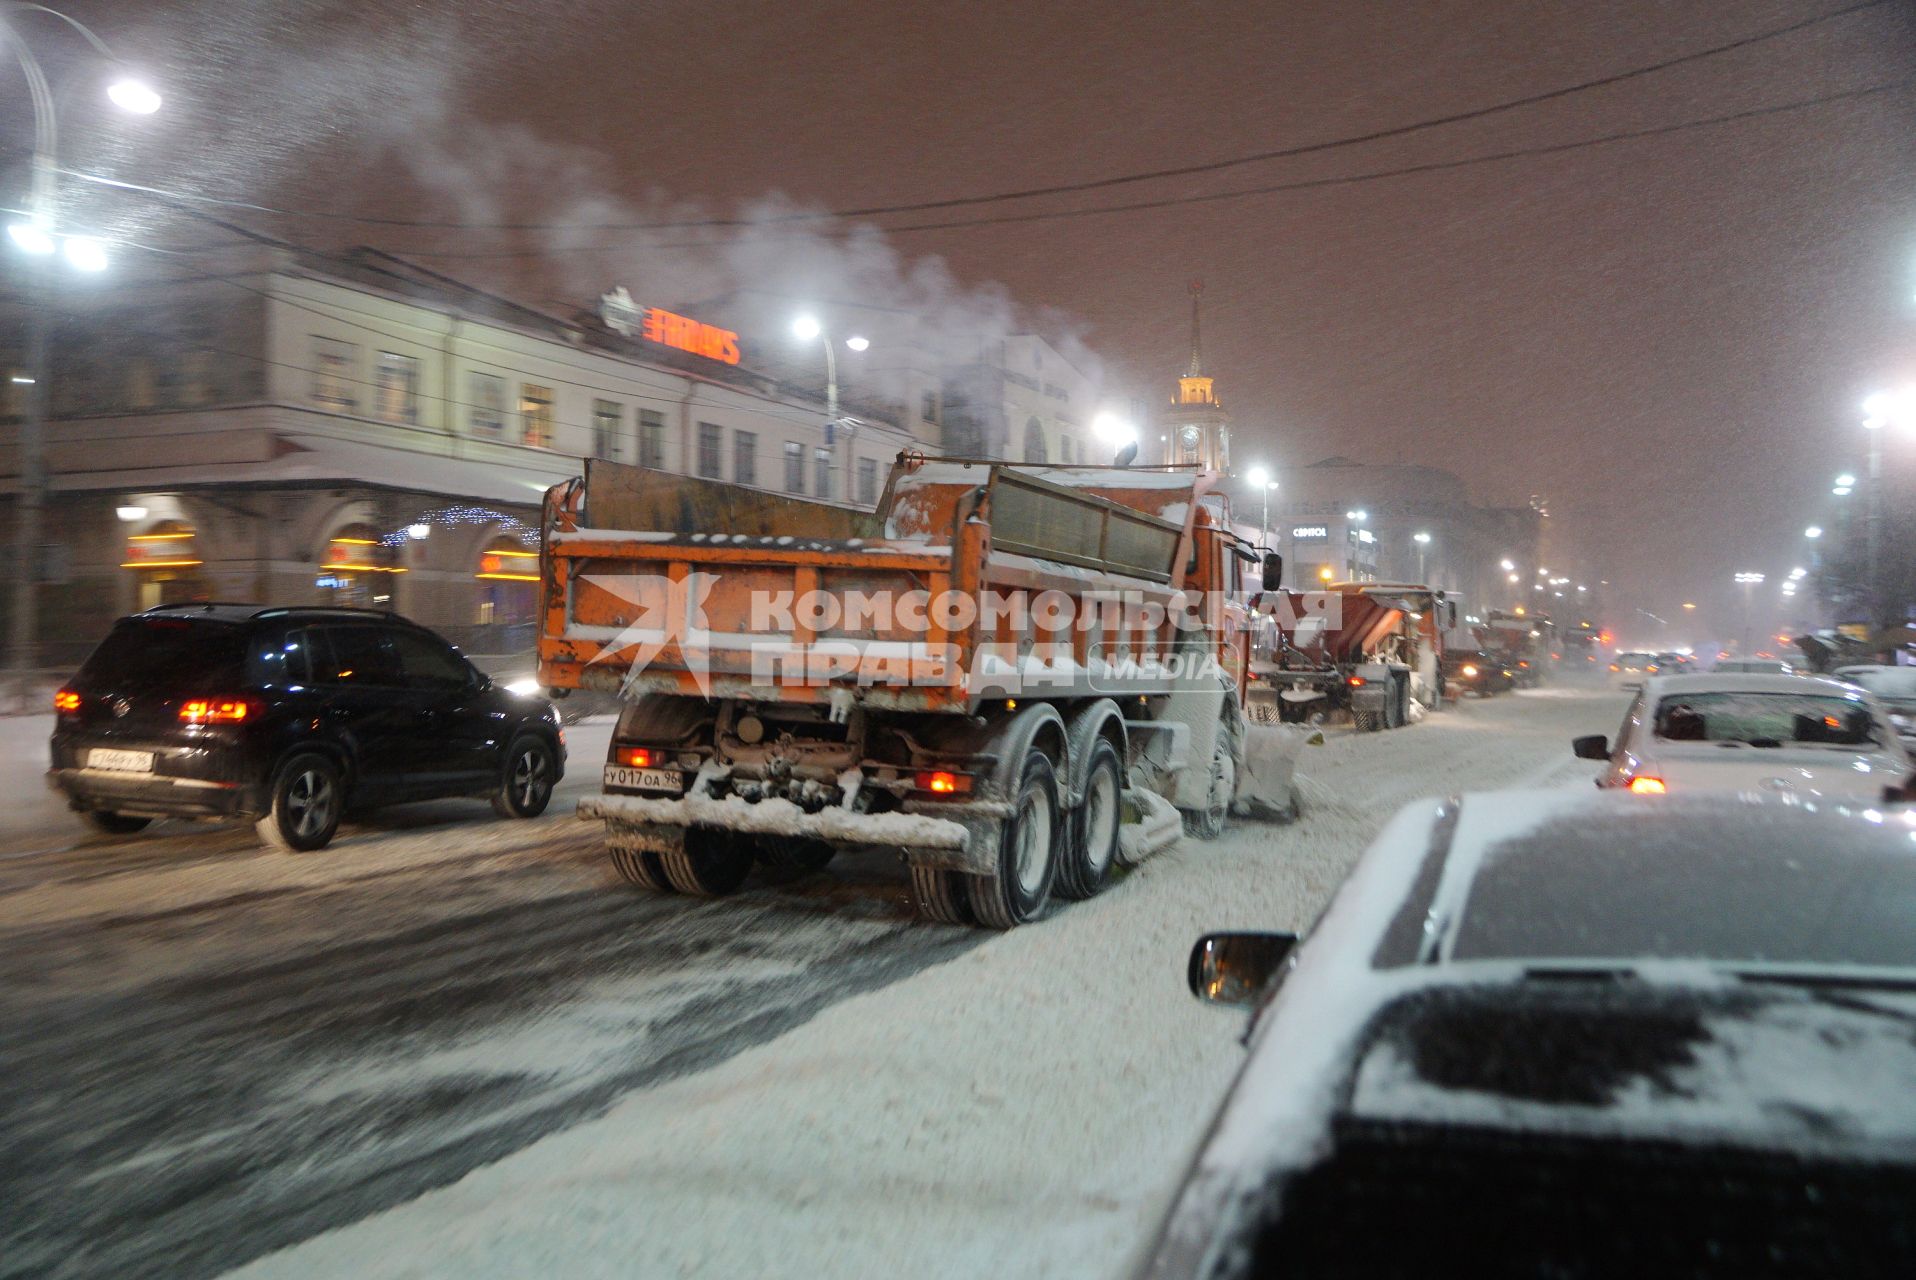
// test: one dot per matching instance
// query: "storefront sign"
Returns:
(682, 333)
(1310, 532)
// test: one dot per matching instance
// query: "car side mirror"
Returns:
(1593, 747)
(1273, 571)
(1237, 968)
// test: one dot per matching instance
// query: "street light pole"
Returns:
(1877, 596)
(36, 237)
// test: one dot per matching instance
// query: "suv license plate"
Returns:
(629, 779)
(119, 761)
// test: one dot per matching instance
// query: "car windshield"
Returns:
(174, 652)
(1766, 719)
(1761, 884)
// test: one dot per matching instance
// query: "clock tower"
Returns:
(1195, 427)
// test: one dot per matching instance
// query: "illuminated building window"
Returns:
(608, 417)
(508, 580)
(356, 568)
(166, 562)
(535, 415)
(652, 439)
(333, 363)
(709, 461)
(794, 467)
(488, 404)
(745, 457)
(396, 389)
(868, 481)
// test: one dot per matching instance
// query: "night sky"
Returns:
(1666, 337)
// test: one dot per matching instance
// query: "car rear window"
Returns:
(1766, 719)
(158, 652)
(1635, 661)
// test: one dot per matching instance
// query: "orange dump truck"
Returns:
(1012, 676)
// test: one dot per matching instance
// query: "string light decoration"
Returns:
(452, 516)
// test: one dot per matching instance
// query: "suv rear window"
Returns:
(166, 652)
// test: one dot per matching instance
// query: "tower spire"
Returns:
(1197, 358)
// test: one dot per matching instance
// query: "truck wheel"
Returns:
(1027, 852)
(710, 864)
(642, 868)
(114, 824)
(307, 797)
(1093, 845)
(525, 782)
(940, 895)
(1226, 753)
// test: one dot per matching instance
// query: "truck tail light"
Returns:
(217, 710)
(1615, 667)
(1354, 681)
(66, 700)
(942, 782)
(638, 757)
(1648, 787)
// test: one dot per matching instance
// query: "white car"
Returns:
(1809, 736)
(1629, 670)
(1895, 688)
(1573, 1034)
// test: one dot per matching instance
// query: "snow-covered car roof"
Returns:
(1710, 927)
(1748, 682)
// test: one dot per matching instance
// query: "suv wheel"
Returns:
(525, 786)
(307, 796)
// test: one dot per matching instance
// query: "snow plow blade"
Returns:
(1267, 785)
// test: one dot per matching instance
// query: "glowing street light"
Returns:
(1813, 532)
(1689, 606)
(806, 327)
(858, 342)
(135, 96)
(31, 238)
(1508, 564)
(85, 253)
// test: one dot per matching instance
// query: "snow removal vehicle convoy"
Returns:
(1014, 676)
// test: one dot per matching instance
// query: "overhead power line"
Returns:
(954, 202)
(1301, 184)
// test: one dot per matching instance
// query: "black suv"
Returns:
(286, 716)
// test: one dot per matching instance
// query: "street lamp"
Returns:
(1748, 581)
(1508, 564)
(38, 236)
(1814, 532)
(1261, 480)
(807, 327)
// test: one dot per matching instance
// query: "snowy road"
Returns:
(212, 1052)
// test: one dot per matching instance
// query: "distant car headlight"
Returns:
(1469, 670)
(524, 687)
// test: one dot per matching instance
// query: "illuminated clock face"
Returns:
(1190, 437)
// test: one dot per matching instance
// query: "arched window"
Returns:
(356, 569)
(1034, 442)
(508, 579)
(166, 563)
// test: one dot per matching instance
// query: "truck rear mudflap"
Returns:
(958, 837)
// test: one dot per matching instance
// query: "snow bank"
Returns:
(1023, 1110)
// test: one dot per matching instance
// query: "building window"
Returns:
(488, 404)
(928, 410)
(868, 481)
(333, 363)
(140, 393)
(709, 450)
(745, 457)
(196, 384)
(1067, 450)
(822, 473)
(1034, 442)
(652, 439)
(396, 389)
(535, 415)
(794, 467)
(608, 416)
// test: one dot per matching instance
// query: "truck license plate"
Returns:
(629, 779)
(119, 761)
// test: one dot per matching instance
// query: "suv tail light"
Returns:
(217, 710)
(66, 700)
